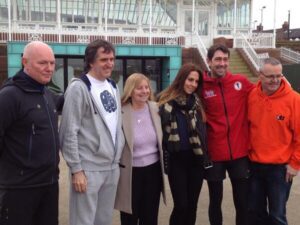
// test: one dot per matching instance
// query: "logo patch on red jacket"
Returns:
(238, 85)
(209, 94)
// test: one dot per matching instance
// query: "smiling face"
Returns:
(191, 82)
(270, 77)
(219, 64)
(141, 93)
(103, 65)
(39, 62)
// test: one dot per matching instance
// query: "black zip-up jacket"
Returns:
(29, 145)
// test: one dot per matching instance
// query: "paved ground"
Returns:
(202, 218)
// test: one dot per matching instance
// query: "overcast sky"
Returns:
(281, 14)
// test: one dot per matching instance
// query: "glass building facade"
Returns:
(148, 34)
(206, 17)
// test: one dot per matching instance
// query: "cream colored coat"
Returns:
(124, 191)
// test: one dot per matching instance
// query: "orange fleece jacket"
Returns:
(274, 125)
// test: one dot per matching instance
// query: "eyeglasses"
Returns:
(272, 76)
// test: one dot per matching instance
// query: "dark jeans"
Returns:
(146, 189)
(239, 191)
(269, 193)
(238, 171)
(30, 206)
(185, 178)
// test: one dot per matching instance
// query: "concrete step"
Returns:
(239, 66)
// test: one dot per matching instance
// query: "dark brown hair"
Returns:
(217, 47)
(177, 87)
(92, 49)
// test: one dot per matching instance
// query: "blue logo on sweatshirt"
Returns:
(108, 101)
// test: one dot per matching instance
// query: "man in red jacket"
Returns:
(225, 101)
(274, 125)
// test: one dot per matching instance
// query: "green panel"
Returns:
(165, 72)
(160, 51)
(59, 49)
(148, 51)
(15, 60)
(82, 49)
(13, 71)
(17, 48)
(165, 85)
(136, 51)
(175, 62)
(122, 50)
(174, 51)
(72, 50)
(173, 73)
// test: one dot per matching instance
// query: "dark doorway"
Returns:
(68, 67)
(151, 67)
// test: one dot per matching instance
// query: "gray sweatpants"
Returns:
(95, 206)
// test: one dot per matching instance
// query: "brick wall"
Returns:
(3, 63)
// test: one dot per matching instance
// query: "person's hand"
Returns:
(79, 181)
(290, 173)
(289, 177)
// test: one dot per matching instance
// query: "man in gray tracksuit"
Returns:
(92, 139)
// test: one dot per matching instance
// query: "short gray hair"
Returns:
(271, 61)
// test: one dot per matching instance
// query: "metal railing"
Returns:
(242, 42)
(290, 55)
(256, 40)
(84, 34)
(197, 42)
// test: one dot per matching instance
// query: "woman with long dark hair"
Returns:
(184, 142)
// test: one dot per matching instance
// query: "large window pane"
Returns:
(225, 13)
(203, 17)
(188, 21)
(117, 74)
(3, 10)
(22, 10)
(153, 71)
(66, 69)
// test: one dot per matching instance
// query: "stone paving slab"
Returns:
(293, 211)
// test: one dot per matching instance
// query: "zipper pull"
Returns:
(33, 129)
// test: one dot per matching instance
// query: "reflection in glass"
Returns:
(133, 66)
(152, 71)
(74, 68)
(58, 76)
(188, 21)
(117, 74)
(203, 22)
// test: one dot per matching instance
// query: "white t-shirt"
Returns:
(105, 97)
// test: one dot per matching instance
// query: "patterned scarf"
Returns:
(188, 106)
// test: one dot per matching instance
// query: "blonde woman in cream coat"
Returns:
(141, 165)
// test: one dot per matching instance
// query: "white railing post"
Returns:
(234, 24)
(201, 48)
(105, 15)
(150, 24)
(9, 19)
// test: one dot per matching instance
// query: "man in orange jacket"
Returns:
(274, 125)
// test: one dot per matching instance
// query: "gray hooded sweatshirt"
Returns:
(85, 139)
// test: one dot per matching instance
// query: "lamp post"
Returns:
(288, 30)
(254, 24)
(261, 15)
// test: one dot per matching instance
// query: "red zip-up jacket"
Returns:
(225, 103)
